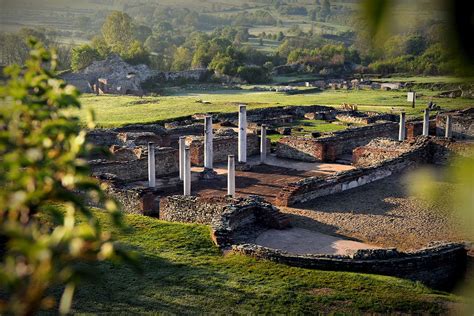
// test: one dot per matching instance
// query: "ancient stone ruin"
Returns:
(222, 170)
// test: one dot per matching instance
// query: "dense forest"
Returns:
(244, 39)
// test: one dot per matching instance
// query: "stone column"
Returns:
(151, 165)
(208, 152)
(187, 172)
(402, 130)
(448, 128)
(231, 176)
(263, 143)
(426, 123)
(242, 133)
(182, 145)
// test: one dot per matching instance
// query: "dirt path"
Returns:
(382, 213)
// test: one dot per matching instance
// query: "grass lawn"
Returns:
(185, 273)
(121, 110)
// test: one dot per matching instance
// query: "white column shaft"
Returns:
(187, 172)
(263, 143)
(242, 134)
(231, 176)
(402, 130)
(151, 165)
(182, 145)
(208, 151)
(426, 123)
(449, 127)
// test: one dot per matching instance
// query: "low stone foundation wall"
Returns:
(167, 162)
(314, 187)
(382, 149)
(365, 118)
(329, 147)
(192, 209)
(223, 145)
(229, 217)
(462, 124)
(443, 150)
(436, 266)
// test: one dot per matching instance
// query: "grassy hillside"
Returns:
(120, 110)
(185, 273)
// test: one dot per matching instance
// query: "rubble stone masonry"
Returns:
(328, 148)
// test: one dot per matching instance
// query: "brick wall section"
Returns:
(328, 148)
(222, 147)
(437, 266)
(314, 187)
(167, 162)
(415, 128)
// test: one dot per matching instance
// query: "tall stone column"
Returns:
(448, 133)
(263, 143)
(242, 133)
(231, 176)
(208, 151)
(151, 165)
(402, 130)
(187, 172)
(426, 123)
(182, 145)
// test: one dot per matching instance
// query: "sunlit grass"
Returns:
(121, 110)
(185, 273)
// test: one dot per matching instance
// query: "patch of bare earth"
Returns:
(382, 213)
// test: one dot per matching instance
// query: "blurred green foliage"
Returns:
(42, 160)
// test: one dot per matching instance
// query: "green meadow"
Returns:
(113, 110)
(184, 273)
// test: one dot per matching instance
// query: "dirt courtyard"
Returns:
(382, 213)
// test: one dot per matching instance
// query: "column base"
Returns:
(243, 166)
(208, 174)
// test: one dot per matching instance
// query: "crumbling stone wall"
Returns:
(192, 209)
(333, 145)
(130, 136)
(274, 114)
(311, 188)
(382, 149)
(167, 162)
(438, 266)
(229, 217)
(224, 144)
(365, 118)
(443, 151)
(462, 124)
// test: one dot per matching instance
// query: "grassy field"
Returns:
(121, 110)
(185, 273)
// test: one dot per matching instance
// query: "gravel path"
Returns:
(381, 213)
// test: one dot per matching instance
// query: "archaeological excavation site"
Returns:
(272, 189)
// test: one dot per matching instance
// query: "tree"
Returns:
(83, 56)
(222, 64)
(201, 57)
(43, 152)
(182, 59)
(117, 31)
(136, 54)
(99, 44)
(326, 9)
